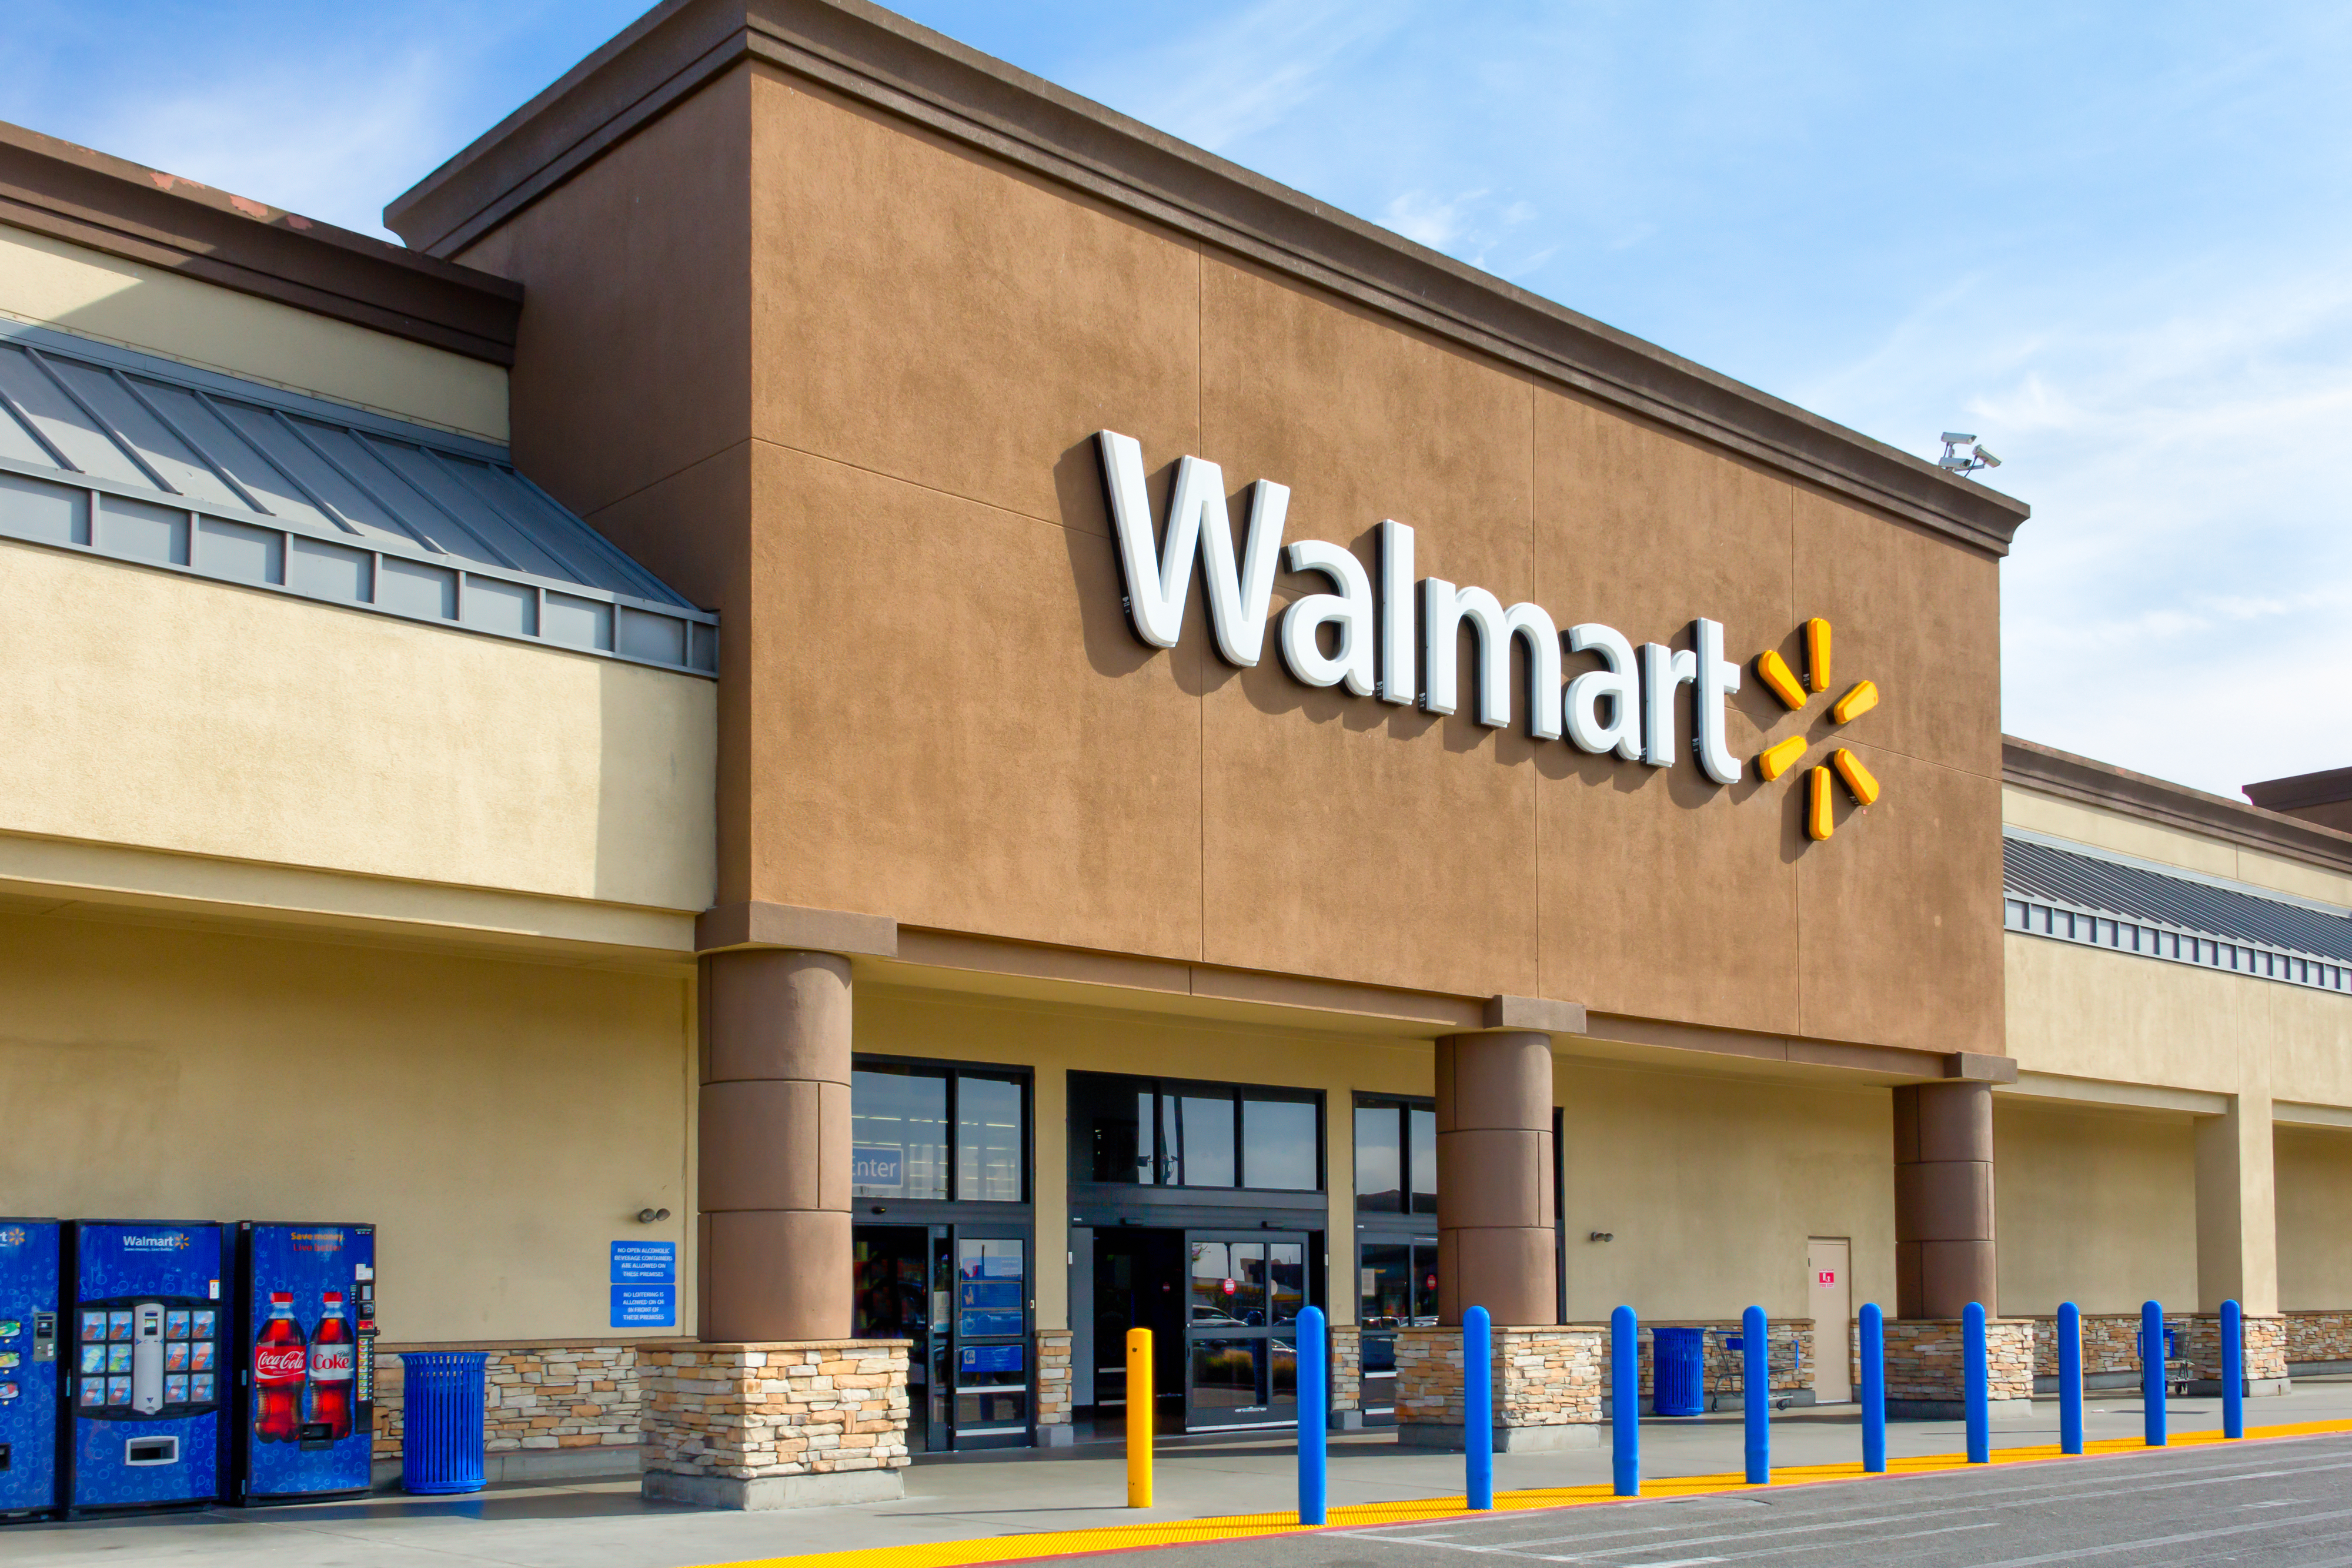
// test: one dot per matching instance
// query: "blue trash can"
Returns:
(1679, 1382)
(441, 1421)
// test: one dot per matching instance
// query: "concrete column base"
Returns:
(1507, 1439)
(2255, 1387)
(1546, 1381)
(1060, 1436)
(776, 1492)
(773, 1425)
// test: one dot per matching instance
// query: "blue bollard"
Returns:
(2151, 1372)
(2069, 1378)
(2233, 1370)
(1625, 1402)
(1873, 1339)
(1478, 1406)
(1972, 1349)
(1313, 1374)
(1756, 1394)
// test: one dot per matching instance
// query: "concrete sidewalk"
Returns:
(606, 1525)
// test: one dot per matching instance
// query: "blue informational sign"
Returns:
(309, 1429)
(29, 1340)
(145, 1430)
(644, 1306)
(877, 1167)
(645, 1263)
(981, 1358)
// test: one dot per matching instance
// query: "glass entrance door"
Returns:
(991, 1367)
(1397, 1278)
(899, 1294)
(1243, 1296)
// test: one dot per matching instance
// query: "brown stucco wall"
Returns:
(855, 410)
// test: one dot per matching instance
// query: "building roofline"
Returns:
(2322, 789)
(88, 198)
(2030, 766)
(880, 60)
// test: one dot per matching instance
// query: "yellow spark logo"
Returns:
(1777, 760)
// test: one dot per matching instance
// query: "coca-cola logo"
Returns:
(279, 1363)
(331, 1362)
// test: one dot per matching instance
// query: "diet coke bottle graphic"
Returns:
(333, 1360)
(280, 1362)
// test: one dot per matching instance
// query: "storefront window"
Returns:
(1396, 1157)
(907, 1142)
(988, 1139)
(898, 1133)
(1144, 1132)
(1278, 1145)
(1421, 1124)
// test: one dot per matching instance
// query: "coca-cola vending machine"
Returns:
(306, 1320)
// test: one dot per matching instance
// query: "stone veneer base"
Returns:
(1507, 1439)
(762, 1492)
(2255, 1388)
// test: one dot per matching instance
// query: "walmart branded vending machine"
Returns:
(29, 1282)
(147, 1382)
(306, 1320)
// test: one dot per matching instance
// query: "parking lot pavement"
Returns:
(991, 1497)
(2277, 1505)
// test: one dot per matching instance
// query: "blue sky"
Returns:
(2111, 240)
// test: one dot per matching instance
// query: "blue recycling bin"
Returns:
(1679, 1382)
(441, 1421)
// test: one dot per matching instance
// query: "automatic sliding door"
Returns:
(1243, 1296)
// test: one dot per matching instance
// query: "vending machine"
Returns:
(306, 1322)
(29, 1367)
(148, 1377)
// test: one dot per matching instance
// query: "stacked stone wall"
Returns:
(1926, 1360)
(2110, 1343)
(537, 1397)
(1542, 1376)
(1789, 1352)
(1055, 1389)
(2318, 1337)
(748, 1412)
(1347, 1367)
(2263, 1339)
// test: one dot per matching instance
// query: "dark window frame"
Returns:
(1023, 1078)
(1164, 1090)
(1402, 1105)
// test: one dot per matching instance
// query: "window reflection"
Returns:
(1278, 1145)
(1422, 1123)
(988, 1139)
(898, 1133)
(1380, 1159)
(1205, 1141)
(1143, 1131)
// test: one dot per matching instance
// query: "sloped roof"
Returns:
(143, 459)
(2081, 895)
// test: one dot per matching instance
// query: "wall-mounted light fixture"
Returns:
(1603, 1236)
(648, 1216)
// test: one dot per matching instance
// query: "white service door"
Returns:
(1831, 1296)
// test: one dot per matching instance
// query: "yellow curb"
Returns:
(1258, 1526)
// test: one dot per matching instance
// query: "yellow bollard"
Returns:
(1142, 1402)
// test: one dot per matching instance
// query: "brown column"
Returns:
(1943, 1200)
(1494, 1240)
(774, 1141)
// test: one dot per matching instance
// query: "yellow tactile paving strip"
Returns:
(1254, 1526)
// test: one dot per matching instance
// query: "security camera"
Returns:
(1987, 458)
(1953, 439)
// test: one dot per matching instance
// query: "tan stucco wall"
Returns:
(2098, 1207)
(2085, 1012)
(53, 283)
(2314, 1218)
(501, 1122)
(144, 707)
(1712, 1186)
(951, 725)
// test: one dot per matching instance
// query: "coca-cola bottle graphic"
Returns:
(280, 1362)
(334, 1359)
